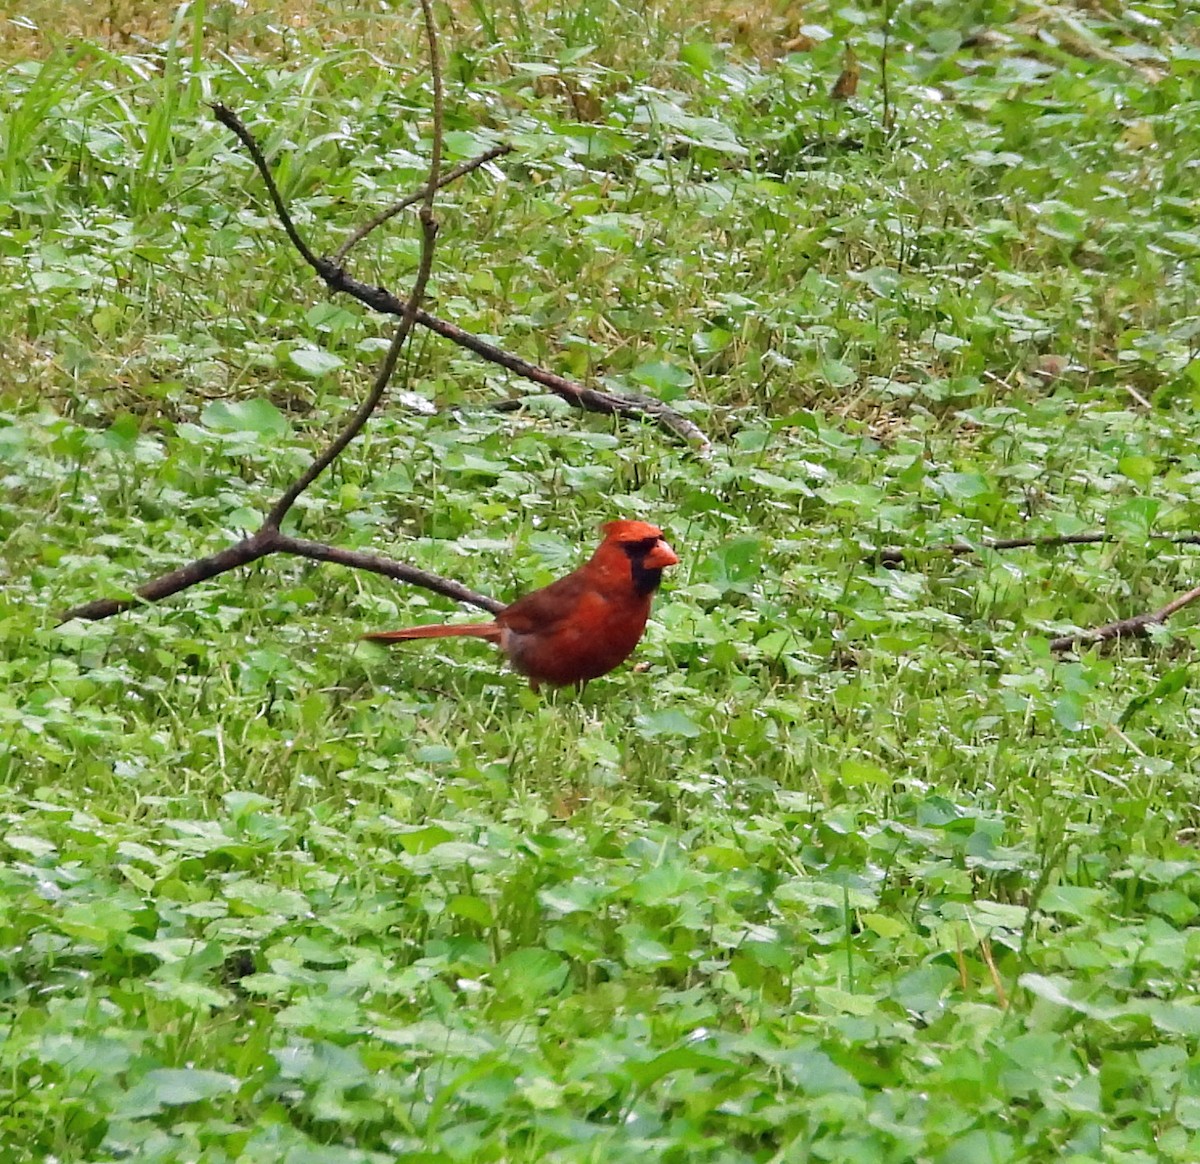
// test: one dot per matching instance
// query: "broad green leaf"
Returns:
(314, 361)
(170, 1087)
(256, 416)
(669, 723)
(529, 974)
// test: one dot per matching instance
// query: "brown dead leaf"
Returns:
(847, 83)
(800, 43)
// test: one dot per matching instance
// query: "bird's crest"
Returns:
(629, 531)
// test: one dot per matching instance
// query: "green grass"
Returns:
(855, 869)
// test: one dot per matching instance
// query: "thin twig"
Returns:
(888, 114)
(435, 74)
(1135, 627)
(371, 402)
(230, 120)
(1139, 398)
(388, 366)
(339, 256)
(898, 555)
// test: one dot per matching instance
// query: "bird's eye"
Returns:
(636, 551)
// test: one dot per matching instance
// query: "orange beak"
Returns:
(660, 557)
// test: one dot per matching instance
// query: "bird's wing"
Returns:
(544, 611)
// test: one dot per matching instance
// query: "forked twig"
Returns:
(633, 405)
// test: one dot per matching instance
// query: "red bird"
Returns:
(581, 626)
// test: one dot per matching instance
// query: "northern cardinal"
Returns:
(581, 626)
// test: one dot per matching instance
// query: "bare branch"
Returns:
(270, 538)
(435, 73)
(389, 568)
(1135, 627)
(242, 554)
(334, 449)
(273, 542)
(230, 120)
(634, 406)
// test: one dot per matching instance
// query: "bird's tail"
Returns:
(475, 630)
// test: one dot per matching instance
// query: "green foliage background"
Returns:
(856, 870)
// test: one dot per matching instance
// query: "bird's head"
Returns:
(645, 549)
